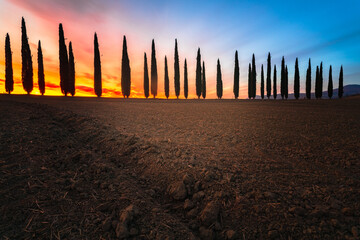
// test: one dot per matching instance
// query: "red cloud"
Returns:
(51, 85)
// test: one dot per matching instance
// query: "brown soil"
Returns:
(70, 167)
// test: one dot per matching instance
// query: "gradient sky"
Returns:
(327, 31)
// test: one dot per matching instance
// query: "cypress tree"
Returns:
(317, 80)
(286, 82)
(146, 77)
(71, 71)
(41, 76)
(249, 82)
(282, 80)
(341, 83)
(308, 81)
(219, 86)
(330, 85)
(9, 79)
(154, 75)
(262, 82)
(236, 76)
(186, 87)
(268, 77)
(198, 74)
(27, 69)
(253, 78)
(321, 79)
(64, 62)
(203, 82)
(176, 71)
(97, 68)
(125, 71)
(166, 76)
(297, 80)
(275, 84)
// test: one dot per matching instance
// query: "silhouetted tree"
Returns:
(297, 80)
(198, 74)
(186, 87)
(146, 77)
(236, 76)
(64, 62)
(219, 86)
(341, 83)
(71, 71)
(321, 80)
(27, 68)
(166, 79)
(275, 84)
(330, 85)
(253, 78)
(283, 78)
(176, 71)
(125, 71)
(317, 80)
(41, 76)
(97, 68)
(262, 82)
(308, 81)
(9, 79)
(203, 82)
(249, 82)
(286, 82)
(268, 77)
(154, 75)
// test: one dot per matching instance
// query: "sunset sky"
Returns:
(327, 31)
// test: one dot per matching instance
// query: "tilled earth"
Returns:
(86, 168)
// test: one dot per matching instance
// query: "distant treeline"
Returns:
(67, 73)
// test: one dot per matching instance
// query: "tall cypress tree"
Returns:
(146, 77)
(203, 82)
(71, 71)
(286, 82)
(27, 68)
(176, 71)
(330, 85)
(282, 80)
(321, 80)
(219, 86)
(125, 71)
(262, 82)
(268, 77)
(341, 83)
(41, 76)
(64, 62)
(253, 78)
(166, 79)
(186, 86)
(308, 81)
(317, 85)
(236, 76)
(275, 84)
(249, 82)
(9, 78)
(154, 75)
(297, 80)
(198, 74)
(97, 68)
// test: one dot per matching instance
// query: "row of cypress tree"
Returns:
(67, 73)
(27, 65)
(285, 80)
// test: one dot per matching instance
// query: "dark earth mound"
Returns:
(86, 168)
